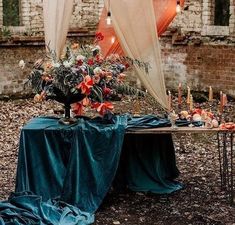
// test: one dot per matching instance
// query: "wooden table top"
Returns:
(167, 130)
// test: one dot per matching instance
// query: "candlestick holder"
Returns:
(173, 117)
(136, 107)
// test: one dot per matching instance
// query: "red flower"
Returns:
(197, 111)
(86, 85)
(106, 91)
(79, 62)
(127, 65)
(99, 36)
(102, 108)
(90, 62)
(99, 59)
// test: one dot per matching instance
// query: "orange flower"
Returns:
(78, 108)
(210, 114)
(121, 77)
(102, 108)
(108, 74)
(227, 126)
(37, 98)
(86, 101)
(40, 97)
(47, 66)
(86, 85)
(75, 46)
(46, 77)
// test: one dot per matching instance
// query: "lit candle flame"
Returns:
(112, 40)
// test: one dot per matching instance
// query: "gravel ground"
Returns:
(200, 202)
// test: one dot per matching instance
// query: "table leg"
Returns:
(224, 161)
(220, 161)
(231, 175)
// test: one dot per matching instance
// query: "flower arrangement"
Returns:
(81, 77)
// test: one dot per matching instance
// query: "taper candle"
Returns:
(191, 103)
(169, 100)
(188, 95)
(210, 94)
(221, 102)
(180, 94)
(225, 100)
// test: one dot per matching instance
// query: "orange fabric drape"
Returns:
(165, 11)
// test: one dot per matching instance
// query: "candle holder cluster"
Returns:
(194, 111)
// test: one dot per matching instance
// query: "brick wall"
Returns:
(200, 67)
(12, 77)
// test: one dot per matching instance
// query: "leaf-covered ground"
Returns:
(200, 202)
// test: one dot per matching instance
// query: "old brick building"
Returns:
(197, 49)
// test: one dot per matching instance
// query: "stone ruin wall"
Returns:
(194, 51)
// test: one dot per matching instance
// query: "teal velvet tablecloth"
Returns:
(77, 164)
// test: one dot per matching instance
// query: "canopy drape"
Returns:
(57, 14)
(134, 25)
(135, 28)
(165, 11)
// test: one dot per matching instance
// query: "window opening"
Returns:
(11, 13)
(222, 12)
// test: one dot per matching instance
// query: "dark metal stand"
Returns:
(226, 159)
(67, 120)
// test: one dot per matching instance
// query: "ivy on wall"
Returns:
(11, 12)
(222, 13)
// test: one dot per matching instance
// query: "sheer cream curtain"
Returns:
(134, 23)
(57, 14)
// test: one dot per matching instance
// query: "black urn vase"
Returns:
(67, 100)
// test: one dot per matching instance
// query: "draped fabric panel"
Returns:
(135, 28)
(57, 14)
